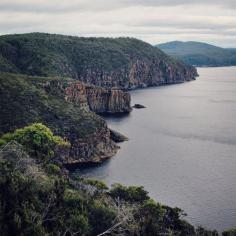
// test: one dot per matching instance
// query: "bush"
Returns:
(19, 203)
(2, 143)
(101, 217)
(131, 193)
(52, 169)
(100, 185)
(37, 139)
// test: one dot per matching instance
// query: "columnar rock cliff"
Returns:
(125, 63)
(98, 99)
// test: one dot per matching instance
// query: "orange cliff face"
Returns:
(98, 99)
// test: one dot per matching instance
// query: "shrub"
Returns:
(100, 185)
(131, 193)
(37, 139)
(101, 217)
(52, 169)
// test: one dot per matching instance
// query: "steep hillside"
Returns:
(199, 54)
(64, 106)
(122, 62)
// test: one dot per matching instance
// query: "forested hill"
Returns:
(200, 54)
(120, 62)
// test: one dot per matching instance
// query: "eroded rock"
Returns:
(98, 99)
(117, 136)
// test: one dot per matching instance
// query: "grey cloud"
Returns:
(228, 3)
(58, 6)
(183, 24)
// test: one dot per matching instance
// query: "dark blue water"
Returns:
(182, 147)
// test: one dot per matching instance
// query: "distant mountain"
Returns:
(121, 62)
(200, 54)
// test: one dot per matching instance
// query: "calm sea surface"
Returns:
(182, 147)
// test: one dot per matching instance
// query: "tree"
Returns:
(131, 194)
(18, 203)
(37, 139)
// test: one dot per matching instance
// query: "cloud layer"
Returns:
(154, 21)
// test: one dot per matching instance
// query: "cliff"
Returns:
(124, 63)
(98, 99)
(61, 104)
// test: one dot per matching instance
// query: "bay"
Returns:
(182, 147)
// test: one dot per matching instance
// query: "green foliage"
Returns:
(151, 215)
(101, 217)
(200, 231)
(230, 232)
(52, 169)
(100, 185)
(19, 202)
(2, 142)
(36, 138)
(28, 209)
(76, 217)
(131, 193)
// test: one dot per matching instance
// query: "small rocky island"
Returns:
(138, 106)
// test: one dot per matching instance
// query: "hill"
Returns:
(199, 54)
(121, 62)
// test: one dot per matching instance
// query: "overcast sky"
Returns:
(154, 21)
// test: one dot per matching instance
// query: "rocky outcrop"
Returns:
(98, 99)
(138, 106)
(158, 72)
(94, 149)
(140, 74)
(117, 137)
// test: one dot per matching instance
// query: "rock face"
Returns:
(117, 137)
(95, 149)
(98, 99)
(141, 73)
(125, 63)
(158, 72)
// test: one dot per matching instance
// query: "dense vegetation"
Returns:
(107, 60)
(38, 197)
(37, 139)
(200, 54)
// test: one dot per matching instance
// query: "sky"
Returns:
(154, 21)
